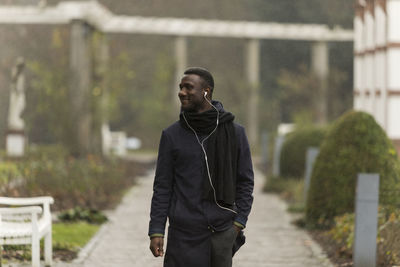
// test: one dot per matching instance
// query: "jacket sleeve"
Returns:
(162, 187)
(245, 179)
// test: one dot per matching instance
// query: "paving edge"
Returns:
(85, 252)
(319, 253)
(88, 248)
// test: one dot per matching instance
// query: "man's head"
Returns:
(196, 84)
(208, 80)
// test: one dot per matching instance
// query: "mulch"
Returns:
(23, 254)
(338, 255)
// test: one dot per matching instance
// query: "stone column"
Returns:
(253, 78)
(80, 86)
(181, 65)
(320, 67)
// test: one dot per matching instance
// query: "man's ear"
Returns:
(207, 92)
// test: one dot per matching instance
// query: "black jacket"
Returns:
(178, 186)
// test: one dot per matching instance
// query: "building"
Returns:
(377, 63)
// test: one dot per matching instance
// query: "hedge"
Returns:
(293, 154)
(354, 144)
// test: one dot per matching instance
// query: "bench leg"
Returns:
(48, 249)
(35, 251)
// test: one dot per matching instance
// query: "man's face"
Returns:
(191, 93)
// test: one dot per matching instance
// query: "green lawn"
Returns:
(72, 235)
(68, 238)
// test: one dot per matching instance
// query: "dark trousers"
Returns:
(221, 247)
(199, 249)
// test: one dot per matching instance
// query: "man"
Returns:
(203, 183)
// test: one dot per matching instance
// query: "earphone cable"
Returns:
(205, 153)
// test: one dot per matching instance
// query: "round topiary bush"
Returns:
(293, 154)
(354, 144)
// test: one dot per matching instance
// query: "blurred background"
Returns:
(141, 69)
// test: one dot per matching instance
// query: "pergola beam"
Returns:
(101, 18)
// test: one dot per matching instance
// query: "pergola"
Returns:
(84, 16)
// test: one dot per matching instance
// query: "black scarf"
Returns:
(221, 152)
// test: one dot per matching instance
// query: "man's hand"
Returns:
(157, 246)
(237, 228)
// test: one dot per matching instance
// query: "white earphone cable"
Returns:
(205, 153)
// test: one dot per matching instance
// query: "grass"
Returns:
(73, 236)
(68, 238)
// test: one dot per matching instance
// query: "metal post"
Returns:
(253, 78)
(311, 156)
(320, 66)
(366, 220)
(264, 149)
(181, 64)
(280, 139)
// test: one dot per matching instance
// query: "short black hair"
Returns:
(204, 74)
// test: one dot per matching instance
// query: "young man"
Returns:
(203, 183)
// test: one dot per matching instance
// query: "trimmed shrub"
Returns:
(354, 144)
(293, 154)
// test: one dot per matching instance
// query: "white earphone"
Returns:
(205, 93)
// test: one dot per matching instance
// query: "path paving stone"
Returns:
(271, 238)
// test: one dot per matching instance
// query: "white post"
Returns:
(253, 78)
(48, 246)
(35, 241)
(283, 129)
(366, 220)
(311, 156)
(279, 140)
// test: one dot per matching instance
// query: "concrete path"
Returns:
(271, 239)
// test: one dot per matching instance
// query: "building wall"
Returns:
(377, 63)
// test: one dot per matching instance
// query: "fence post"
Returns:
(366, 220)
(311, 156)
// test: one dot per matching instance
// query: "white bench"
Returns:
(26, 221)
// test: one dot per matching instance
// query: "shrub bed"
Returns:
(388, 242)
(80, 186)
(92, 182)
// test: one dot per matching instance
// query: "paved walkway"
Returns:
(271, 239)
